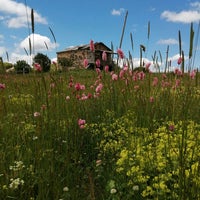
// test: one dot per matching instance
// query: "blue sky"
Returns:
(76, 22)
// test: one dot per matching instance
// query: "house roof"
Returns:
(86, 47)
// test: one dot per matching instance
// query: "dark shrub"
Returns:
(44, 62)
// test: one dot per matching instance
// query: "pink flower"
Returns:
(120, 53)
(82, 87)
(114, 77)
(151, 99)
(43, 107)
(98, 71)
(136, 87)
(178, 72)
(54, 63)
(37, 67)
(99, 88)
(164, 76)
(2, 86)
(178, 82)
(52, 85)
(171, 127)
(121, 74)
(155, 81)
(89, 95)
(81, 123)
(148, 66)
(179, 61)
(192, 74)
(92, 45)
(36, 114)
(85, 62)
(125, 68)
(135, 77)
(78, 87)
(98, 63)
(70, 84)
(106, 68)
(83, 97)
(104, 56)
(141, 75)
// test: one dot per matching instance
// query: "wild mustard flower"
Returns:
(148, 192)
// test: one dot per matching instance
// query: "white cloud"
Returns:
(195, 5)
(2, 51)
(169, 41)
(39, 42)
(14, 57)
(15, 14)
(118, 12)
(174, 57)
(183, 16)
(1, 17)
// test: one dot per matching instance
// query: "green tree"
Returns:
(44, 62)
(22, 66)
(65, 62)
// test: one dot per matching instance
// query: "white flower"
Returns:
(136, 187)
(65, 189)
(35, 137)
(36, 114)
(18, 165)
(113, 191)
(15, 183)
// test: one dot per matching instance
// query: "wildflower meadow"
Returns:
(126, 134)
(100, 135)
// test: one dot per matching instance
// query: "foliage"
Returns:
(22, 66)
(4, 65)
(65, 62)
(44, 62)
(143, 164)
(7, 65)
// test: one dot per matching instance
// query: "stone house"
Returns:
(77, 54)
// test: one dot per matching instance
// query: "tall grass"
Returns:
(45, 154)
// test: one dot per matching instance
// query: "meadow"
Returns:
(99, 135)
